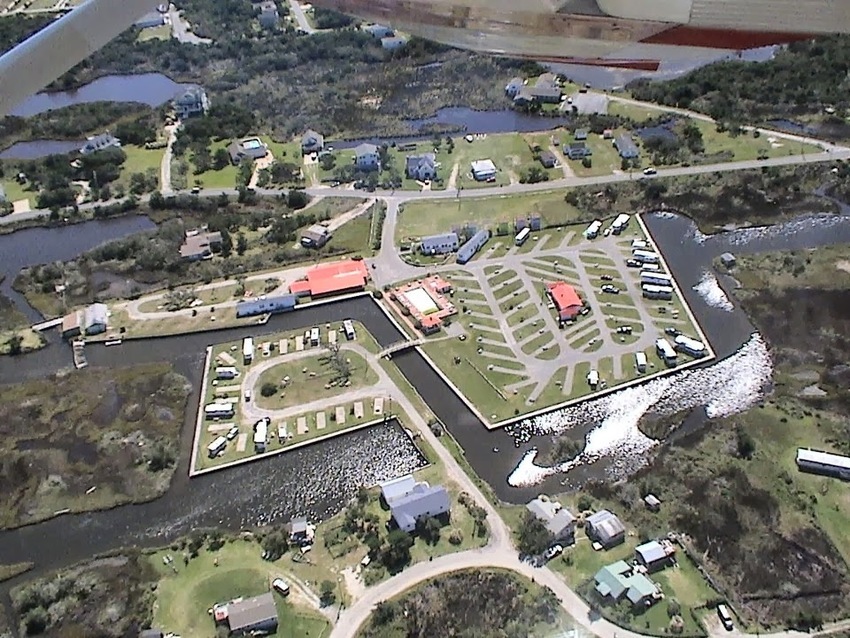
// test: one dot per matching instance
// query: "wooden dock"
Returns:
(79, 350)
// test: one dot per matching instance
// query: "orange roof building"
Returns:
(333, 278)
(566, 300)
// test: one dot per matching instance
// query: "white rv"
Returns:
(592, 231)
(640, 361)
(218, 410)
(247, 350)
(216, 447)
(690, 346)
(645, 256)
(226, 373)
(665, 351)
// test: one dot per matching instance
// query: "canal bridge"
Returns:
(400, 346)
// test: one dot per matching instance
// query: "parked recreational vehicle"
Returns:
(218, 410)
(592, 231)
(314, 337)
(665, 351)
(640, 361)
(655, 278)
(593, 379)
(216, 447)
(650, 267)
(348, 327)
(652, 291)
(689, 346)
(725, 617)
(226, 373)
(522, 236)
(247, 350)
(261, 431)
(639, 244)
(620, 223)
(645, 256)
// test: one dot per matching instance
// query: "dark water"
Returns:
(33, 246)
(152, 89)
(38, 148)
(319, 479)
(468, 120)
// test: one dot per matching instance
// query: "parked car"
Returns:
(607, 278)
(247, 396)
(673, 332)
(633, 263)
(624, 330)
(196, 190)
(725, 617)
(584, 311)
(232, 432)
(612, 290)
(649, 171)
(281, 586)
(553, 551)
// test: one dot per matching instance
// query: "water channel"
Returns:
(275, 489)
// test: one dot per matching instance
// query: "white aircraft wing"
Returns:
(56, 49)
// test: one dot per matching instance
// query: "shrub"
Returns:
(584, 502)
(456, 536)
(268, 389)
(673, 608)
(378, 294)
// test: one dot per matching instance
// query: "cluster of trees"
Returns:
(803, 78)
(392, 550)
(224, 121)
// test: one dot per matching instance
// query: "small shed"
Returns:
(728, 260)
(652, 503)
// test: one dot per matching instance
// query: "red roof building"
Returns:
(566, 300)
(333, 278)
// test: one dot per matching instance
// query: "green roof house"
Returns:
(619, 579)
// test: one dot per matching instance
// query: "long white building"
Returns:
(826, 463)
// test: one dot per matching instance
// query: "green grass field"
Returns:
(15, 192)
(225, 178)
(139, 160)
(155, 33)
(419, 219)
(183, 598)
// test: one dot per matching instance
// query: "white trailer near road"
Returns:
(620, 223)
(655, 278)
(216, 447)
(665, 351)
(247, 350)
(592, 231)
(645, 256)
(651, 291)
(640, 361)
(218, 410)
(226, 372)
(593, 379)
(261, 433)
(690, 346)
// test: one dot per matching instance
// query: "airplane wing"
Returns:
(56, 49)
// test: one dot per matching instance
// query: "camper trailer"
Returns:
(348, 327)
(592, 231)
(645, 256)
(665, 351)
(247, 350)
(226, 373)
(218, 410)
(216, 447)
(651, 291)
(640, 361)
(689, 346)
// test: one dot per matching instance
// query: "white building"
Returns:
(825, 463)
(366, 157)
(483, 170)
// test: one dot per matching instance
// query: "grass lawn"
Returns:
(354, 236)
(162, 32)
(186, 592)
(139, 160)
(312, 379)
(509, 152)
(15, 192)
(225, 178)
(419, 219)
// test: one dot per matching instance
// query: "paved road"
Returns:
(834, 153)
(181, 30)
(301, 18)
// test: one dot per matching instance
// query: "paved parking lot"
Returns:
(522, 349)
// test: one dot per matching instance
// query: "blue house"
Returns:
(471, 247)
(270, 305)
(440, 244)
(626, 147)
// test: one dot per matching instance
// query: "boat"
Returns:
(114, 342)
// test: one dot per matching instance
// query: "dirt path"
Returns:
(452, 183)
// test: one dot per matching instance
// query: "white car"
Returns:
(281, 586)
(232, 432)
(247, 396)
(555, 550)
(649, 171)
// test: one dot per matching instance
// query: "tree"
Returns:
(328, 161)
(327, 596)
(226, 243)
(268, 389)
(673, 608)
(429, 530)
(397, 552)
(385, 612)
(297, 199)
(275, 545)
(241, 244)
(746, 444)
(221, 159)
(534, 538)
(36, 621)
(15, 344)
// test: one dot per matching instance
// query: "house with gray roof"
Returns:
(439, 244)
(397, 488)
(269, 15)
(252, 147)
(99, 143)
(256, 614)
(626, 147)
(472, 246)
(587, 104)
(558, 520)
(421, 167)
(605, 528)
(424, 501)
(619, 580)
(192, 102)
(312, 142)
(379, 31)
(514, 86)
(393, 42)
(655, 555)
(577, 150)
(366, 157)
(548, 159)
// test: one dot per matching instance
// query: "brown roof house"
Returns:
(199, 245)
